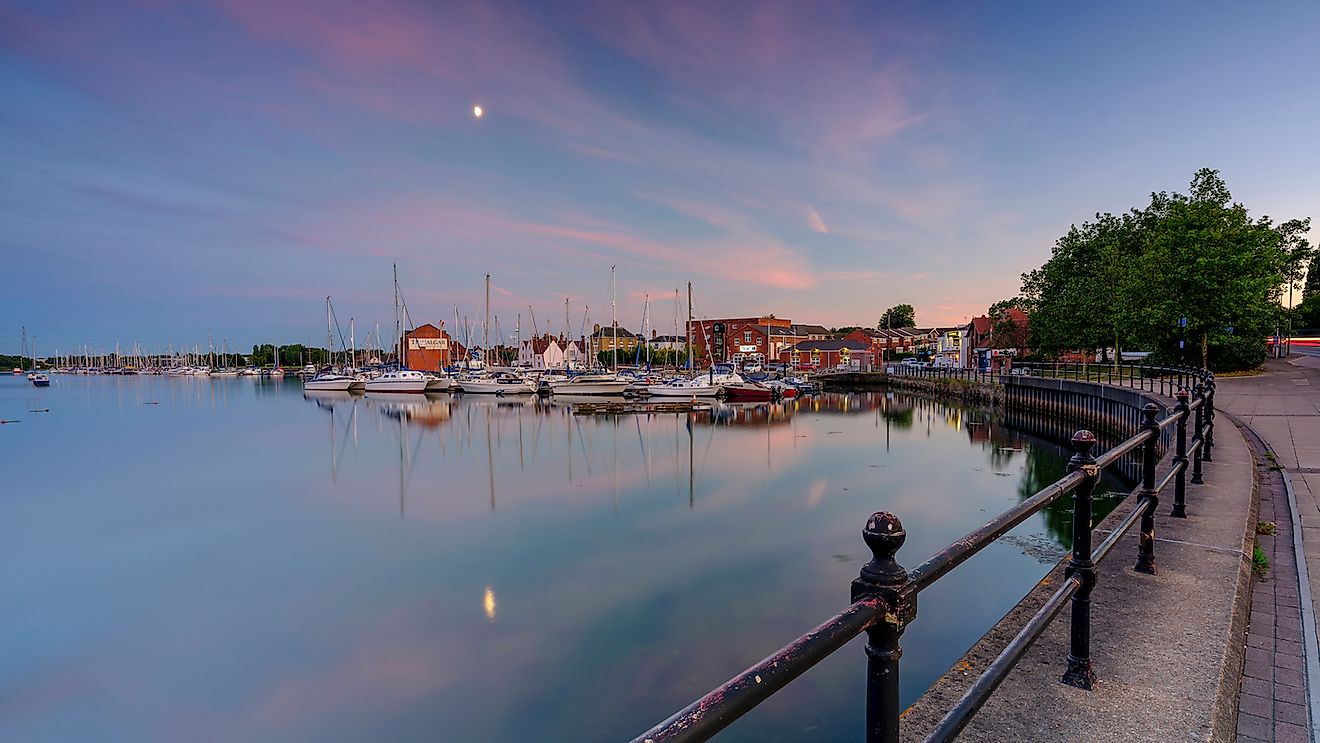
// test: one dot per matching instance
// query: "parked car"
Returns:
(911, 361)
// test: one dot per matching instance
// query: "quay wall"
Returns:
(970, 392)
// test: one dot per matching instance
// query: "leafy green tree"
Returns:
(1298, 253)
(1006, 331)
(898, 316)
(1085, 296)
(1134, 278)
(1212, 264)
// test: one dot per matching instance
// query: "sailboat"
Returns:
(599, 384)
(328, 380)
(38, 378)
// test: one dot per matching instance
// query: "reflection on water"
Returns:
(241, 557)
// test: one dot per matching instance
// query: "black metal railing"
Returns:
(980, 376)
(884, 595)
(1164, 380)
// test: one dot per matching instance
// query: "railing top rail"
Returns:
(963, 549)
(736, 697)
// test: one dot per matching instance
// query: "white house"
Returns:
(541, 353)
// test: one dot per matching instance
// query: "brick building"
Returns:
(428, 348)
(829, 354)
(740, 340)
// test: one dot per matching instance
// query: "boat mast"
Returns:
(329, 341)
(485, 327)
(568, 328)
(687, 334)
(614, 321)
(674, 337)
(402, 351)
(352, 345)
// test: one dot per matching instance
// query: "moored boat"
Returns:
(39, 379)
(332, 382)
(696, 387)
(438, 383)
(591, 384)
(400, 380)
(499, 383)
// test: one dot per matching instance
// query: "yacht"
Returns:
(332, 382)
(399, 380)
(746, 391)
(438, 383)
(39, 379)
(499, 383)
(696, 387)
(701, 385)
(591, 384)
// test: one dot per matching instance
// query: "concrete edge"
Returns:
(1224, 713)
(940, 697)
(1309, 636)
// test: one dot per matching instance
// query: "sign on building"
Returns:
(428, 344)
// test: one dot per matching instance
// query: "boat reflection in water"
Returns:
(483, 425)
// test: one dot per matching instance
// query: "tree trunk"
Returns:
(1205, 350)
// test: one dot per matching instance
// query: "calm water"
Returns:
(231, 560)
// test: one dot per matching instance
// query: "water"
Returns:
(226, 559)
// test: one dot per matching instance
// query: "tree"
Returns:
(1084, 297)
(1007, 330)
(898, 316)
(1187, 270)
(1312, 286)
(1297, 255)
(1211, 264)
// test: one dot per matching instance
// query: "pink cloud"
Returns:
(815, 222)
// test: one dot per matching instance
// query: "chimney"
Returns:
(595, 328)
(652, 333)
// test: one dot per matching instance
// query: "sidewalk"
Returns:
(1168, 648)
(1283, 408)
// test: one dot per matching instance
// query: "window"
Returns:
(747, 336)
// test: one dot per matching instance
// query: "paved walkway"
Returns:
(1283, 408)
(1167, 648)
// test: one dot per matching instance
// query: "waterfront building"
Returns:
(551, 352)
(606, 338)
(667, 342)
(429, 348)
(741, 340)
(844, 353)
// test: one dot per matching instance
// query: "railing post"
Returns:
(1209, 417)
(1080, 673)
(1180, 457)
(883, 578)
(1198, 434)
(1146, 547)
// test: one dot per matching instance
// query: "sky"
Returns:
(171, 170)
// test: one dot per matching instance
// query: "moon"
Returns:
(477, 111)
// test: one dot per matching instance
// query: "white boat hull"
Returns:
(332, 385)
(669, 390)
(589, 388)
(487, 387)
(439, 384)
(396, 385)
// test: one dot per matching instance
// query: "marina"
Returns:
(330, 564)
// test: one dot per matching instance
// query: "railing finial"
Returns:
(884, 535)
